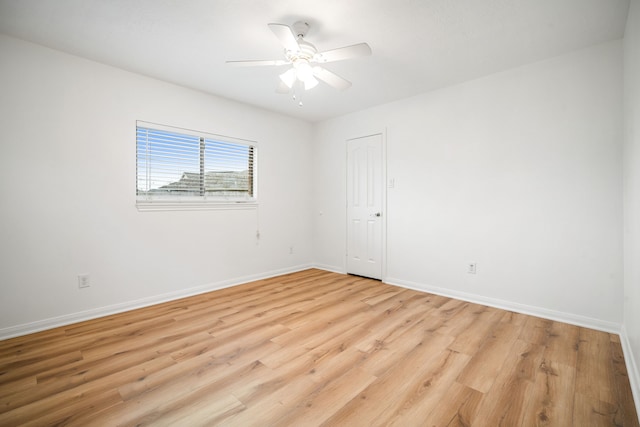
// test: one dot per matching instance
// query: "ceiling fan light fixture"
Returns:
(304, 73)
(303, 69)
(310, 83)
(289, 77)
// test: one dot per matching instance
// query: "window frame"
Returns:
(194, 202)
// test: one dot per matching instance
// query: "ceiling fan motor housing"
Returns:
(300, 28)
(305, 51)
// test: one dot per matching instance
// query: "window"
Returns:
(179, 168)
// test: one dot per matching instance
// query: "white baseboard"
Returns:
(67, 319)
(330, 268)
(632, 368)
(573, 319)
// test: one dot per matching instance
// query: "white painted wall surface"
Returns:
(519, 172)
(67, 190)
(631, 331)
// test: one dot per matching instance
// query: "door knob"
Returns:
(377, 214)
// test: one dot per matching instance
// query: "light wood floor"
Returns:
(316, 348)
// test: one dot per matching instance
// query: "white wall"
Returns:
(519, 171)
(631, 331)
(67, 191)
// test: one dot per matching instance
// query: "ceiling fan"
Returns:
(303, 57)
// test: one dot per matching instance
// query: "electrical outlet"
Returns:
(83, 281)
(471, 268)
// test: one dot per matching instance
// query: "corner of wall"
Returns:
(632, 368)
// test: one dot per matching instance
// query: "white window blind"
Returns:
(183, 166)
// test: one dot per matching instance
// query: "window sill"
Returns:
(144, 206)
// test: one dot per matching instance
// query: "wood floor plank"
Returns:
(60, 346)
(399, 386)
(391, 318)
(487, 362)
(331, 316)
(623, 395)
(588, 411)
(505, 402)
(563, 344)
(270, 408)
(456, 408)
(196, 388)
(550, 402)
(201, 411)
(594, 368)
(386, 355)
(323, 402)
(471, 338)
(18, 348)
(43, 400)
(69, 412)
(336, 362)
(461, 320)
(9, 388)
(31, 366)
(536, 330)
(429, 394)
(316, 348)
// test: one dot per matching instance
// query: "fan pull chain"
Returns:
(301, 91)
(297, 89)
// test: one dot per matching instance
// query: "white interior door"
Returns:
(364, 206)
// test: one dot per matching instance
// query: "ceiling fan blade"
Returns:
(331, 78)
(285, 35)
(347, 52)
(258, 63)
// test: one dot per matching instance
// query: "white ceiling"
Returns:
(418, 45)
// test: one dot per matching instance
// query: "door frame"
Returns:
(383, 242)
